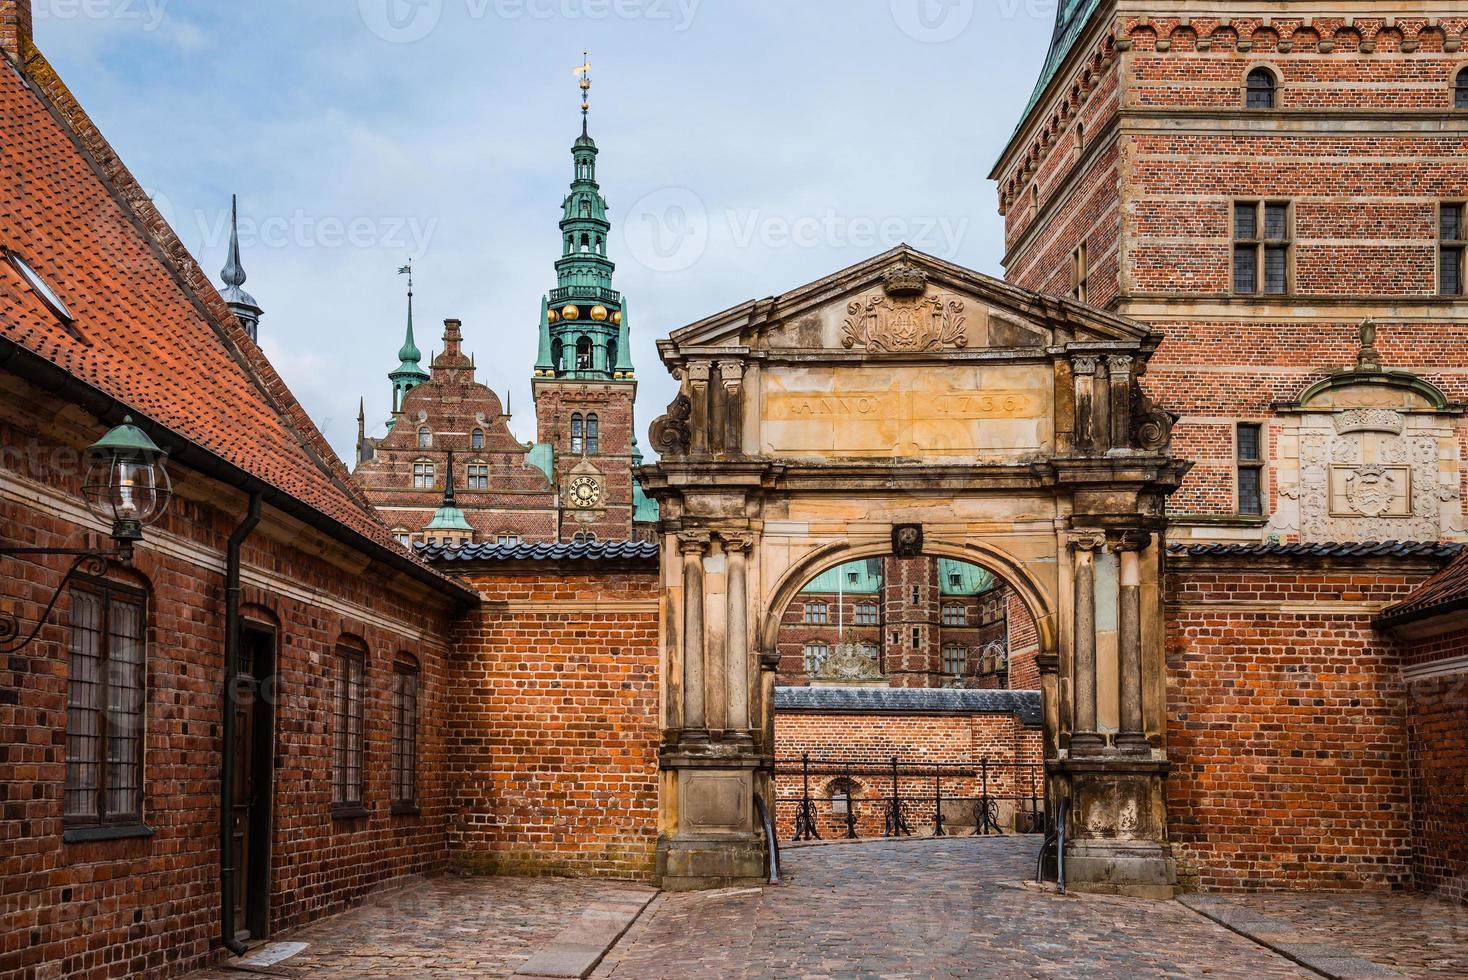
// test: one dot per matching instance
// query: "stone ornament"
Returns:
(907, 540)
(1369, 420)
(671, 435)
(904, 319)
(848, 661)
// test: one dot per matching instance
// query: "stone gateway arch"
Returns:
(909, 405)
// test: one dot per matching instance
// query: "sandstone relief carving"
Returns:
(904, 319)
(848, 661)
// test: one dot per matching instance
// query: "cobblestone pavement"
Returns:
(1414, 934)
(955, 907)
(442, 927)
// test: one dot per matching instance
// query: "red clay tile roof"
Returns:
(1445, 592)
(150, 330)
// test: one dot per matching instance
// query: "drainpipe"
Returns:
(226, 775)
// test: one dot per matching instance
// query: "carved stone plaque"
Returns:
(1370, 491)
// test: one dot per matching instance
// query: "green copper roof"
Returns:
(644, 508)
(863, 576)
(1071, 18)
(542, 456)
(962, 578)
(449, 519)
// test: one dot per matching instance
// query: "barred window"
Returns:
(955, 660)
(1262, 239)
(347, 724)
(422, 476)
(405, 733)
(954, 614)
(1261, 89)
(476, 439)
(817, 613)
(842, 792)
(478, 476)
(576, 432)
(593, 434)
(105, 695)
(1460, 91)
(815, 656)
(866, 614)
(1452, 242)
(1251, 468)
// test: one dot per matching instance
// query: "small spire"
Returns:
(361, 409)
(448, 483)
(234, 273)
(409, 353)
(584, 74)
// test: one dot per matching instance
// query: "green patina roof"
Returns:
(865, 577)
(962, 578)
(542, 456)
(449, 519)
(1071, 18)
(644, 508)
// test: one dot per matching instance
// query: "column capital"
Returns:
(1130, 540)
(1087, 539)
(694, 542)
(1119, 363)
(737, 544)
(1084, 363)
(731, 374)
(698, 372)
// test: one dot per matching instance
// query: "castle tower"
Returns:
(583, 381)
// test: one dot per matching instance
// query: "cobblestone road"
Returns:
(935, 908)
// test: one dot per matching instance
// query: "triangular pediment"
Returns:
(906, 302)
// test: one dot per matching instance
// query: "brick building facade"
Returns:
(575, 482)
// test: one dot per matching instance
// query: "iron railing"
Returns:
(905, 800)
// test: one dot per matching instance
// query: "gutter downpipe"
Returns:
(227, 774)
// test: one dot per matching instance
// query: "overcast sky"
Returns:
(748, 147)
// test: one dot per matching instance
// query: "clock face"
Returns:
(585, 492)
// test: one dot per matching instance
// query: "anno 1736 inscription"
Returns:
(944, 412)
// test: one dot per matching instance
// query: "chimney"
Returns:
(15, 27)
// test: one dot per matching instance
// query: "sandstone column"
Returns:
(693, 546)
(736, 647)
(1085, 739)
(1083, 368)
(1119, 368)
(1132, 737)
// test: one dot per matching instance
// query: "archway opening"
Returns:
(906, 703)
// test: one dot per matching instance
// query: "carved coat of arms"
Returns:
(1370, 490)
(903, 318)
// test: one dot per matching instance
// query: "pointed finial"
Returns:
(508, 414)
(233, 273)
(584, 74)
(361, 409)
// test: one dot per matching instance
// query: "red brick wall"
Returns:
(867, 743)
(1287, 727)
(150, 906)
(554, 724)
(1437, 719)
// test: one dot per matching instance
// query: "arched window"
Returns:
(585, 213)
(583, 537)
(558, 355)
(583, 354)
(817, 613)
(866, 614)
(348, 722)
(815, 657)
(611, 354)
(476, 439)
(425, 437)
(1080, 135)
(577, 440)
(1260, 89)
(593, 434)
(843, 792)
(1460, 92)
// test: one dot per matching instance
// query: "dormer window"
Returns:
(40, 287)
(1261, 89)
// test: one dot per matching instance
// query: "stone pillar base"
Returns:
(1141, 869)
(690, 863)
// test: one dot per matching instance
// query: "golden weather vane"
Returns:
(583, 72)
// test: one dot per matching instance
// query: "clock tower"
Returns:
(584, 384)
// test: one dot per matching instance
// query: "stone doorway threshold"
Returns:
(580, 947)
(1327, 959)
